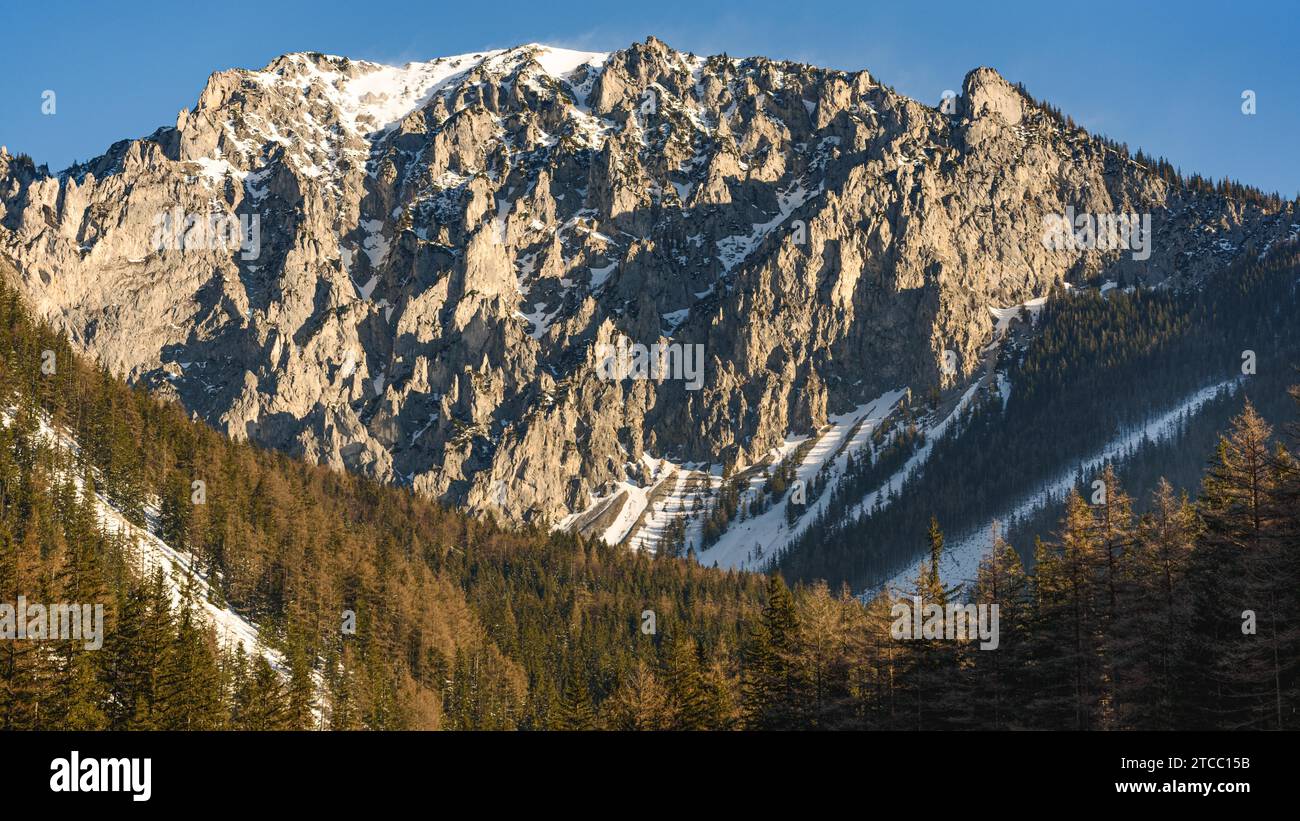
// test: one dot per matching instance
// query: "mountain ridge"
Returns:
(431, 291)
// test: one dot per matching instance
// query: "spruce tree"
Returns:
(770, 678)
(639, 703)
(1151, 629)
(688, 697)
(1235, 675)
(575, 708)
(1000, 692)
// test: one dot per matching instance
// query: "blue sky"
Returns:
(1167, 79)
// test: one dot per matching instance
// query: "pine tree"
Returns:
(931, 664)
(136, 656)
(1064, 649)
(1001, 581)
(23, 668)
(575, 710)
(935, 586)
(82, 692)
(770, 678)
(302, 686)
(1112, 542)
(1150, 631)
(261, 702)
(823, 657)
(878, 664)
(1234, 671)
(688, 697)
(639, 703)
(189, 683)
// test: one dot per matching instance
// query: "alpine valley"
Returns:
(428, 265)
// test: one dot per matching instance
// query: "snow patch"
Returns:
(961, 558)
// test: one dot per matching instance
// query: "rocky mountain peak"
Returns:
(985, 91)
(419, 271)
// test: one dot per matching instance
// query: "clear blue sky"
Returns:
(1166, 79)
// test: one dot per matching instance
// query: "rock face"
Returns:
(434, 255)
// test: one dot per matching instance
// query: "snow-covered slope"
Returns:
(751, 543)
(961, 556)
(151, 554)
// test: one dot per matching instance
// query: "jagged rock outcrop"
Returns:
(432, 255)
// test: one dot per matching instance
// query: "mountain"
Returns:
(242, 589)
(418, 273)
(222, 610)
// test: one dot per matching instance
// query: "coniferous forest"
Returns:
(1183, 615)
(1143, 350)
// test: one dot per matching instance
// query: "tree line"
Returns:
(1091, 365)
(1181, 616)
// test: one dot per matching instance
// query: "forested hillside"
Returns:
(459, 623)
(1094, 364)
(1127, 622)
